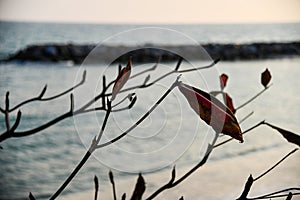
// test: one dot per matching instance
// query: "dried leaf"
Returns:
(265, 78)
(223, 80)
(229, 103)
(121, 79)
(212, 111)
(139, 189)
(289, 136)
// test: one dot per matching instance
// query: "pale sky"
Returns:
(151, 11)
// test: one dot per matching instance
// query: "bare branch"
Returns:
(111, 178)
(290, 196)
(31, 197)
(92, 148)
(246, 117)
(142, 118)
(173, 183)
(40, 96)
(280, 161)
(254, 97)
(164, 76)
(7, 123)
(123, 196)
(246, 131)
(17, 122)
(277, 194)
(178, 63)
(246, 189)
(200, 68)
(96, 187)
(71, 103)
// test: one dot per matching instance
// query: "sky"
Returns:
(151, 11)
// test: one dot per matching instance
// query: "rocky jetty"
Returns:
(77, 53)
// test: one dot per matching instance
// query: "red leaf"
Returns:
(121, 79)
(229, 103)
(289, 136)
(223, 80)
(212, 111)
(265, 77)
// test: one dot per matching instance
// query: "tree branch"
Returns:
(142, 118)
(40, 96)
(254, 97)
(92, 148)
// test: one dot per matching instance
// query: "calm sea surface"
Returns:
(172, 134)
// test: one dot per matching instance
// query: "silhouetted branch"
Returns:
(200, 68)
(246, 117)
(129, 96)
(40, 96)
(254, 97)
(86, 107)
(178, 63)
(277, 194)
(31, 197)
(173, 183)
(142, 118)
(111, 178)
(123, 196)
(6, 112)
(137, 74)
(251, 180)
(246, 131)
(290, 196)
(92, 148)
(71, 103)
(139, 188)
(164, 76)
(96, 187)
(280, 161)
(246, 189)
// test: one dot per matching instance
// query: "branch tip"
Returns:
(43, 92)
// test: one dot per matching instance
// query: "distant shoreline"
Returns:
(57, 52)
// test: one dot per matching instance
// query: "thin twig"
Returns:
(164, 76)
(275, 195)
(251, 180)
(96, 187)
(111, 178)
(138, 74)
(40, 96)
(142, 118)
(6, 112)
(173, 183)
(280, 161)
(246, 131)
(254, 97)
(246, 117)
(92, 148)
